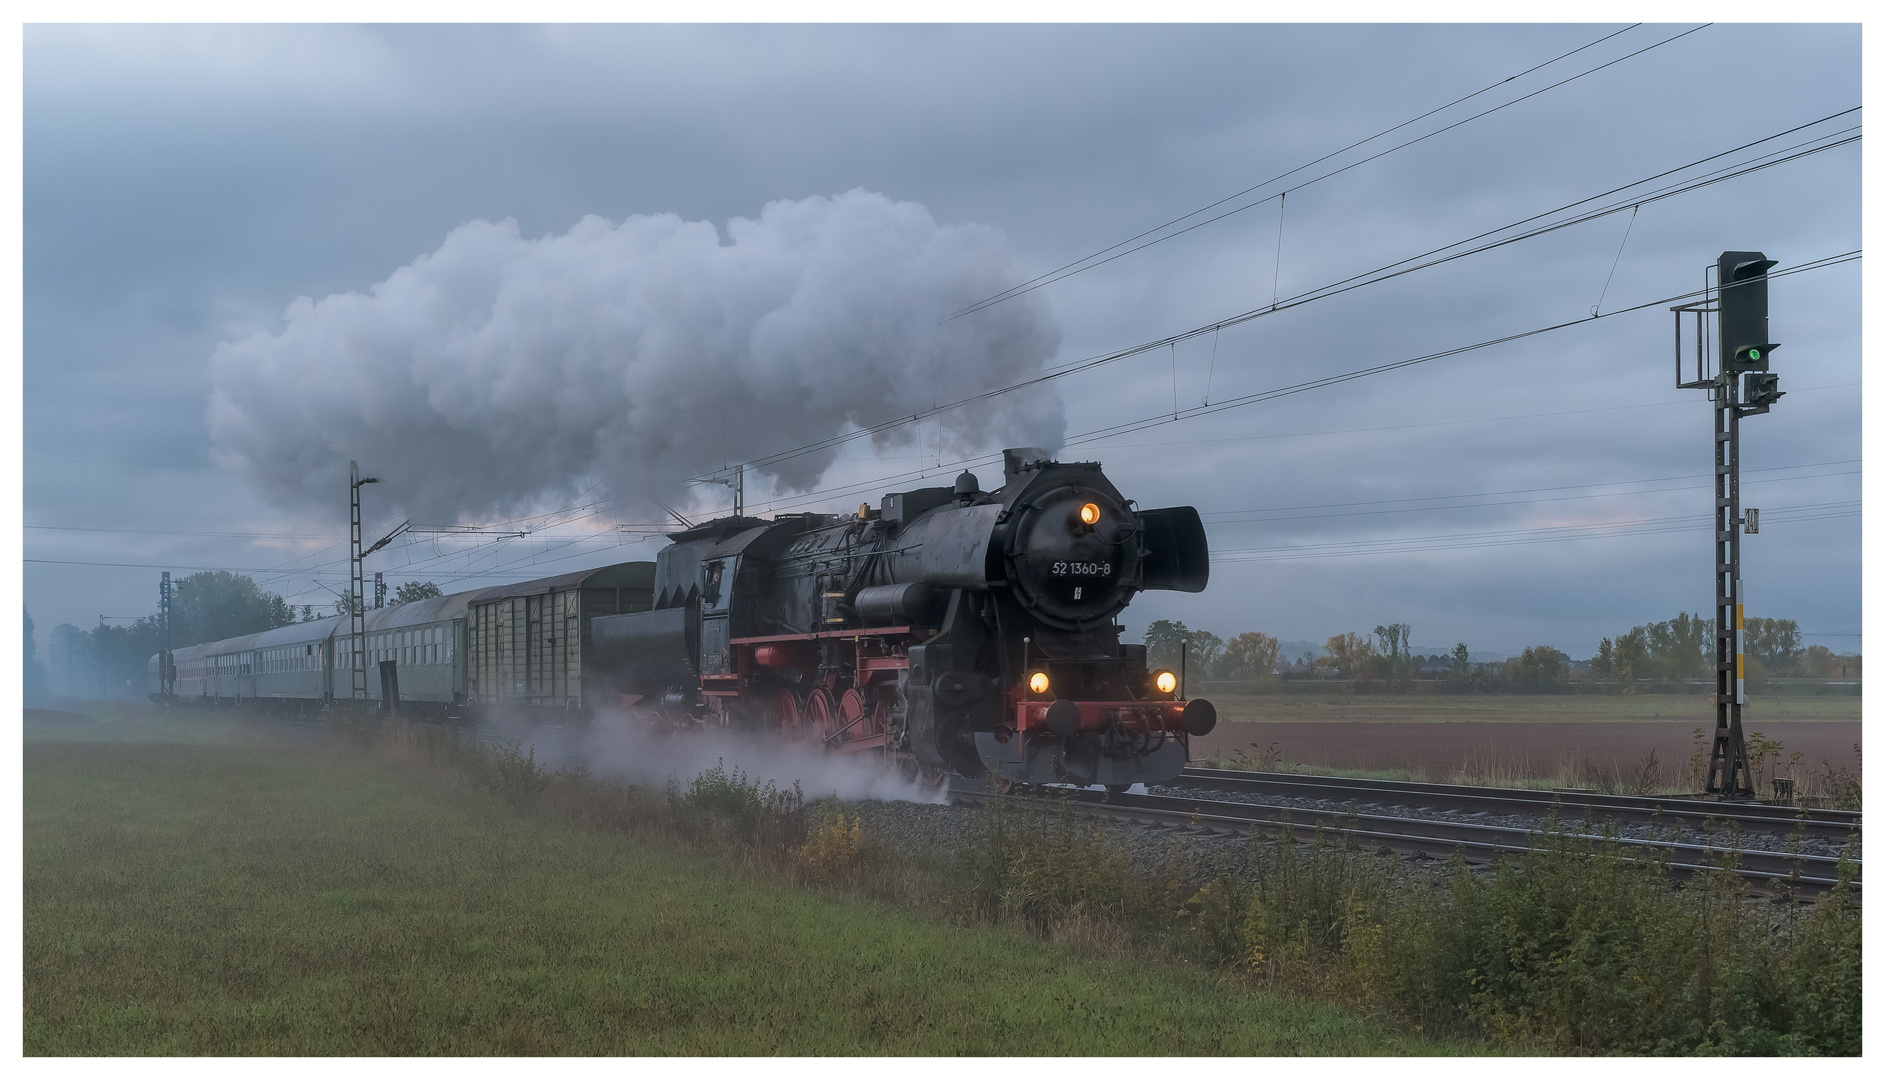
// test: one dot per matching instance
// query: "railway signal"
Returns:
(1762, 390)
(1739, 385)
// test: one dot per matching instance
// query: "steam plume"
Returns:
(621, 749)
(499, 371)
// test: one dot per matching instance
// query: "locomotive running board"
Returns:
(862, 631)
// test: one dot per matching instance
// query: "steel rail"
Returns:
(1428, 837)
(1480, 843)
(1820, 824)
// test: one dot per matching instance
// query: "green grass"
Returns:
(190, 892)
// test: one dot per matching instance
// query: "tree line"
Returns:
(1675, 650)
(1384, 656)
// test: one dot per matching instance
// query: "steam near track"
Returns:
(620, 748)
(634, 353)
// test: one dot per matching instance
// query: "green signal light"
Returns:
(1754, 354)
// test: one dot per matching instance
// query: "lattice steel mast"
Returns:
(166, 662)
(356, 595)
(1739, 385)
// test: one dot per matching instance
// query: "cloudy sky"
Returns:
(536, 280)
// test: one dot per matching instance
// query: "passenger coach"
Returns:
(517, 646)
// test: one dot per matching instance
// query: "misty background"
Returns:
(542, 282)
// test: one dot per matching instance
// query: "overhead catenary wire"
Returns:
(1158, 420)
(1384, 273)
(1221, 516)
(1216, 329)
(1618, 261)
(287, 568)
(1397, 365)
(1298, 187)
(1516, 537)
(1225, 516)
(177, 532)
(1514, 502)
(1051, 275)
(1097, 434)
(1450, 423)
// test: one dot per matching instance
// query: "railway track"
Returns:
(1832, 825)
(1769, 871)
(1480, 842)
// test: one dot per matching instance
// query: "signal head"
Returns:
(1761, 389)
(1752, 357)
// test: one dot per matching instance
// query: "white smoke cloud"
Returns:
(499, 371)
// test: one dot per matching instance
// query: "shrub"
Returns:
(513, 774)
(1570, 946)
(1839, 786)
(728, 803)
(832, 848)
(1040, 868)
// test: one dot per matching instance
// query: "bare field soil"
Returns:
(1568, 739)
(1494, 751)
(1237, 704)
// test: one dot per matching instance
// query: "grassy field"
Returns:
(1238, 704)
(192, 891)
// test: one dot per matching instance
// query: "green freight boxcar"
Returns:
(527, 645)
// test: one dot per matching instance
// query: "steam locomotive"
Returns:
(971, 631)
(950, 629)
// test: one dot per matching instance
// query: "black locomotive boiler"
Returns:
(952, 629)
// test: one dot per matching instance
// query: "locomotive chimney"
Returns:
(1020, 459)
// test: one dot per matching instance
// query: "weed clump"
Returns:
(726, 803)
(514, 774)
(1046, 870)
(833, 847)
(1570, 946)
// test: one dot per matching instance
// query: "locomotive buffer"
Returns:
(1739, 385)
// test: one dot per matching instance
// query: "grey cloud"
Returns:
(182, 186)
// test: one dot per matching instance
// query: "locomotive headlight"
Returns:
(1165, 681)
(1037, 682)
(1090, 514)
